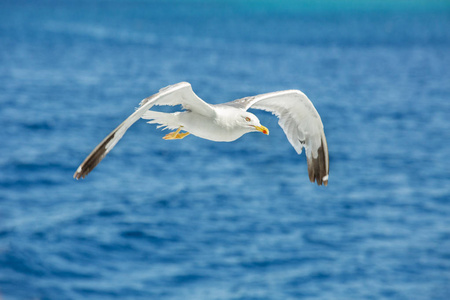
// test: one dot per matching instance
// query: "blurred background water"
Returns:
(194, 219)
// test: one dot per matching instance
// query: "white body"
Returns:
(222, 128)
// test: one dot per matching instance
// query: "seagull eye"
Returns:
(247, 119)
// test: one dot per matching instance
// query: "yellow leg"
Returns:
(176, 135)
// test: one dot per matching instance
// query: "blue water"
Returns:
(194, 219)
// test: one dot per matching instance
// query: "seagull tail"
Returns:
(166, 120)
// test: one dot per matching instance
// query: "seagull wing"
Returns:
(300, 122)
(180, 93)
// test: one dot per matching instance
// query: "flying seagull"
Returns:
(227, 122)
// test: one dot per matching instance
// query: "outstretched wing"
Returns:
(180, 93)
(300, 122)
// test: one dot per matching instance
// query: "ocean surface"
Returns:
(194, 219)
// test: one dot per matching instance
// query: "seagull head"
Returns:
(251, 123)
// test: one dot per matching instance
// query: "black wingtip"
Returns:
(318, 167)
(94, 158)
(79, 174)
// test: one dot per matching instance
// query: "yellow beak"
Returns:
(262, 129)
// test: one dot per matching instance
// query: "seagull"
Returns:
(227, 122)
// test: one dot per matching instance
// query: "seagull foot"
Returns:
(176, 135)
(173, 136)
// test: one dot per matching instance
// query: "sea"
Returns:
(196, 219)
